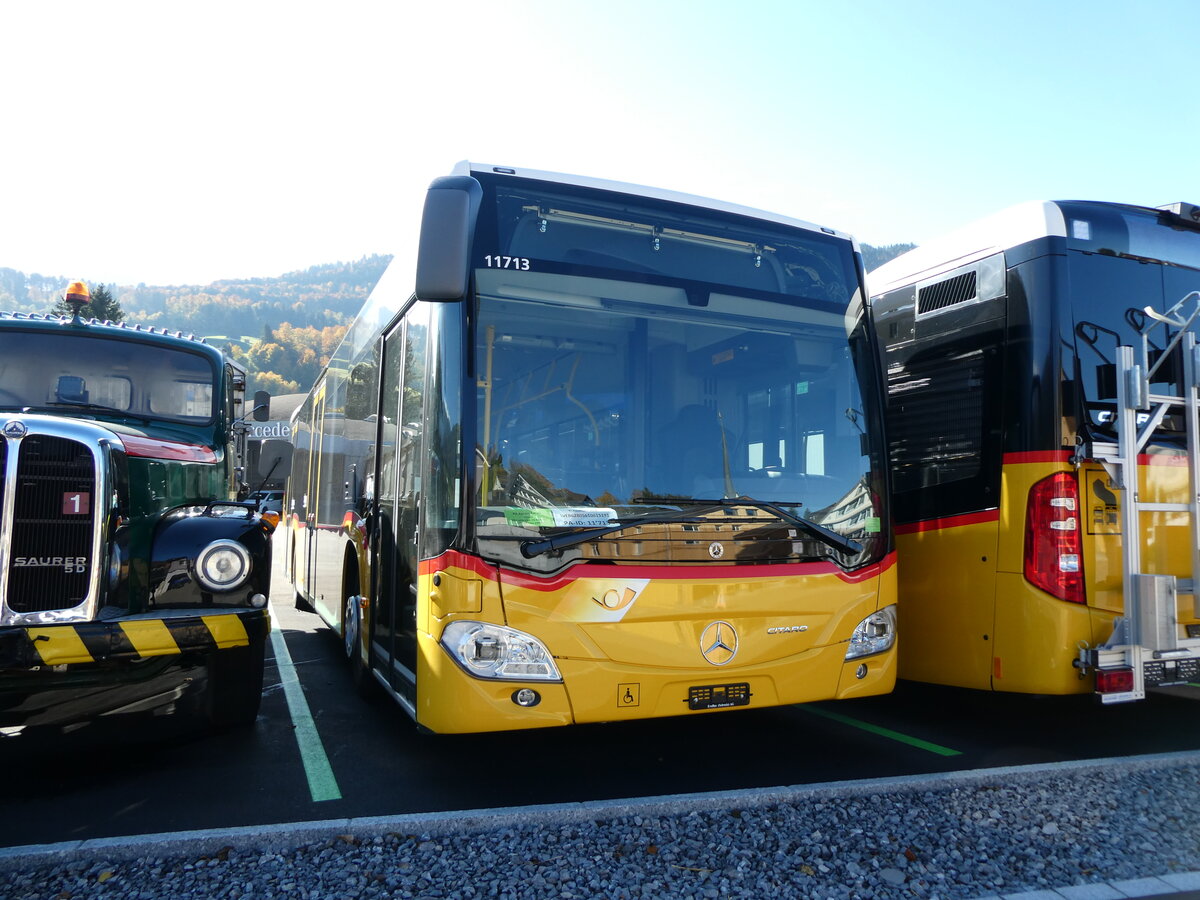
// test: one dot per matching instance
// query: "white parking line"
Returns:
(322, 785)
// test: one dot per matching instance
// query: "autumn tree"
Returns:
(270, 382)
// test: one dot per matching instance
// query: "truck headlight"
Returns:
(874, 634)
(223, 565)
(494, 651)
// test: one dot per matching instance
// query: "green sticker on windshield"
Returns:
(561, 516)
(873, 526)
(538, 518)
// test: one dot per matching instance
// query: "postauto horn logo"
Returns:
(719, 643)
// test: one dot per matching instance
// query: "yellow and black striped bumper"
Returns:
(140, 637)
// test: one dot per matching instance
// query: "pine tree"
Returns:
(103, 306)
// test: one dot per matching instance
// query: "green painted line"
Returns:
(883, 732)
(321, 783)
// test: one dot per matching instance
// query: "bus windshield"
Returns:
(634, 363)
(101, 376)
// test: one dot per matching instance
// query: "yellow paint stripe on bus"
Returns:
(227, 631)
(59, 646)
(150, 637)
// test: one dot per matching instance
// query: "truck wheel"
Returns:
(235, 677)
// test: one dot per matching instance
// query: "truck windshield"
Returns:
(634, 358)
(57, 371)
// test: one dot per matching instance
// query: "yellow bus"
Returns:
(600, 452)
(1041, 423)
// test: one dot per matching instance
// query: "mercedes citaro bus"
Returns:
(600, 452)
(1041, 381)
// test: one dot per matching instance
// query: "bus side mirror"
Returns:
(262, 406)
(447, 224)
(275, 459)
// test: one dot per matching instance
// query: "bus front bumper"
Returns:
(603, 691)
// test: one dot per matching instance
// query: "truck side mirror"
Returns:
(262, 406)
(275, 459)
(447, 224)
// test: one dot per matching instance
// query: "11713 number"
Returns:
(507, 262)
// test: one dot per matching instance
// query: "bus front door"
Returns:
(394, 637)
(313, 488)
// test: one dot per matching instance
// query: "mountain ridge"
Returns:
(283, 329)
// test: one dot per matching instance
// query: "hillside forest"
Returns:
(282, 329)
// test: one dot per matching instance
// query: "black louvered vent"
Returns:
(936, 420)
(958, 289)
(50, 562)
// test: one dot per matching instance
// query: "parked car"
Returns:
(268, 501)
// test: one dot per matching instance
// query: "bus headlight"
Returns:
(874, 634)
(494, 651)
(223, 565)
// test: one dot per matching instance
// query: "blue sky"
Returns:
(238, 139)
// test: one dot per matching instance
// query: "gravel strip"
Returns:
(987, 832)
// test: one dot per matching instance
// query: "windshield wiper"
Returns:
(820, 532)
(530, 549)
(96, 407)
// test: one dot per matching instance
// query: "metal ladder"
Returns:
(1147, 639)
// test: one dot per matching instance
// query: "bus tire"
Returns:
(234, 690)
(360, 673)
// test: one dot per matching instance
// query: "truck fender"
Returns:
(228, 540)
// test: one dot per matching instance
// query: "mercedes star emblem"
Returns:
(718, 643)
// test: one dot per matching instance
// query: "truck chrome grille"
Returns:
(54, 496)
(50, 552)
(3, 481)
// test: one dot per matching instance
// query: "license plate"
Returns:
(719, 696)
(1170, 671)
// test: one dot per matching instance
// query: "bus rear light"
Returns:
(1053, 540)
(1114, 681)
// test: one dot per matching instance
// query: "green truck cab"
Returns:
(132, 577)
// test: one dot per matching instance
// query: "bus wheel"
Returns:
(234, 690)
(352, 627)
(352, 643)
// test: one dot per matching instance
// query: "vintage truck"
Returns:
(132, 577)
